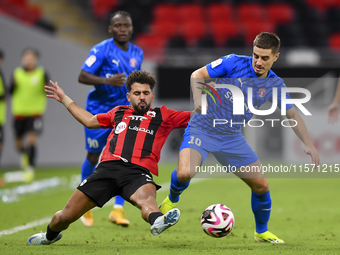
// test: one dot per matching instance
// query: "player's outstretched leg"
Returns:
(117, 215)
(77, 205)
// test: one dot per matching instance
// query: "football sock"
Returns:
(176, 187)
(153, 216)
(261, 205)
(119, 202)
(86, 169)
(31, 151)
(50, 234)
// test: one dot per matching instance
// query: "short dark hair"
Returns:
(35, 51)
(266, 40)
(120, 13)
(2, 55)
(141, 77)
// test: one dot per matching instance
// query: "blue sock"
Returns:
(119, 201)
(261, 205)
(176, 187)
(86, 169)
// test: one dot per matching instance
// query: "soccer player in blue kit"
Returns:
(106, 67)
(226, 142)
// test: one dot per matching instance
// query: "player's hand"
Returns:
(333, 113)
(311, 150)
(54, 91)
(116, 80)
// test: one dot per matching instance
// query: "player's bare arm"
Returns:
(301, 131)
(83, 116)
(116, 80)
(198, 76)
(334, 108)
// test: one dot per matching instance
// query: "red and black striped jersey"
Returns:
(137, 138)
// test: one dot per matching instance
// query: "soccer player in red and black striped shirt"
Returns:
(128, 160)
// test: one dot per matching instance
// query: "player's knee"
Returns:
(66, 218)
(93, 158)
(183, 175)
(261, 186)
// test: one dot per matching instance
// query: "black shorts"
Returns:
(1, 134)
(112, 178)
(23, 125)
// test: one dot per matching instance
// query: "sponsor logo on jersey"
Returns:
(151, 114)
(150, 132)
(120, 127)
(90, 61)
(136, 117)
(216, 63)
(115, 62)
(262, 92)
(108, 75)
(133, 62)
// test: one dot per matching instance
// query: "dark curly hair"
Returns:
(141, 77)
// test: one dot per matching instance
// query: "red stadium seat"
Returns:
(221, 30)
(164, 12)
(220, 12)
(101, 8)
(152, 45)
(189, 12)
(165, 29)
(146, 41)
(251, 29)
(251, 12)
(334, 42)
(192, 31)
(280, 13)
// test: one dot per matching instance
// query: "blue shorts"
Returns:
(229, 150)
(95, 139)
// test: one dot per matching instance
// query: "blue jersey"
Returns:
(106, 59)
(238, 71)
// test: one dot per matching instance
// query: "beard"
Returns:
(141, 110)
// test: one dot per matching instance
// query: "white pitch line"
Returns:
(165, 187)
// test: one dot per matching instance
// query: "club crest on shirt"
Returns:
(152, 114)
(262, 92)
(120, 127)
(133, 62)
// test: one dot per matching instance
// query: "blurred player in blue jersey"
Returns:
(226, 142)
(106, 67)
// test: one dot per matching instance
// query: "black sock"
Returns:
(31, 154)
(153, 216)
(50, 234)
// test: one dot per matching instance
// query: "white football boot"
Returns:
(40, 239)
(165, 221)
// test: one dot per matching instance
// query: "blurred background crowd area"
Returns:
(163, 25)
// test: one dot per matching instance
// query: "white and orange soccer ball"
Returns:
(217, 220)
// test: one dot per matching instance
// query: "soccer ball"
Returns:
(217, 220)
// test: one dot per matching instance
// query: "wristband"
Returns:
(66, 101)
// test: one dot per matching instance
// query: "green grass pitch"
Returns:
(305, 214)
